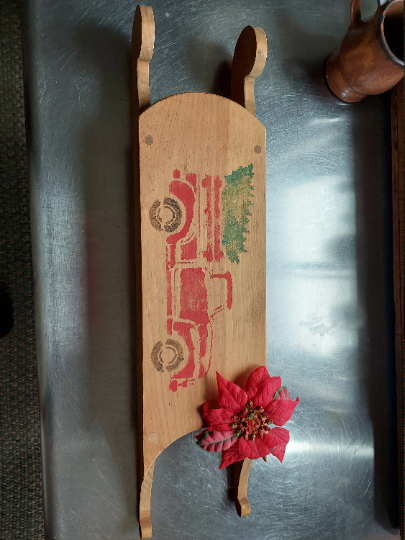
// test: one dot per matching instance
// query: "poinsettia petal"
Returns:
(221, 427)
(216, 416)
(280, 410)
(262, 448)
(266, 390)
(254, 380)
(216, 441)
(251, 449)
(230, 455)
(276, 440)
(230, 395)
(282, 393)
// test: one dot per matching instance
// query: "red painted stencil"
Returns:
(191, 310)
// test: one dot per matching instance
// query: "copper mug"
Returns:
(370, 59)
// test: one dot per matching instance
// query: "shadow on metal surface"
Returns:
(210, 55)
(375, 290)
(112, 390)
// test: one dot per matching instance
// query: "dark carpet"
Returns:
(21, 507)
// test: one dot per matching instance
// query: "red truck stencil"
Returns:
(191, 304)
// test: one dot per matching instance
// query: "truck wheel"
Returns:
(173, 215)
(167, 356)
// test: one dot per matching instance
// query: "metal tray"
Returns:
(329, 274)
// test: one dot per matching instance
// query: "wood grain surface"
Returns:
(202, 169)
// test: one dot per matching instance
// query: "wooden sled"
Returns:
(200, 182)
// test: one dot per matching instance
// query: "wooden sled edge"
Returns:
(143, 42)
(145, 523)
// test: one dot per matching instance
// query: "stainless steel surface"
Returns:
(330, 313)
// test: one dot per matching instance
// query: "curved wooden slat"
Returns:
(242, 471)
(145, 523)
(143, 42)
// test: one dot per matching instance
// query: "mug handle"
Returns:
(355, 12)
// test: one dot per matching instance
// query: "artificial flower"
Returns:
(240, 428)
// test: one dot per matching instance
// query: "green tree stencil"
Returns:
(235, 210)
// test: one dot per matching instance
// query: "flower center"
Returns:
(251, 422)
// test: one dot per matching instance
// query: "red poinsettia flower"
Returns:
(241, 427)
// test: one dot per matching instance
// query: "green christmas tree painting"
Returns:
(236, 200)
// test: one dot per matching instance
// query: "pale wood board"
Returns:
(206, 135)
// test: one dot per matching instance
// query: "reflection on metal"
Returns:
(357, 449)
(330, 316)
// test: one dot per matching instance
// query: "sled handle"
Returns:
(249, 60)
(143, 42)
